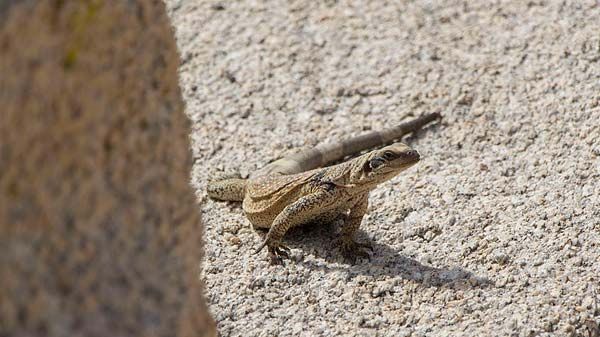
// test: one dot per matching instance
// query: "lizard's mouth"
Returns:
(398, 167)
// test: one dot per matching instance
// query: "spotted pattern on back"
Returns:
(266, 186)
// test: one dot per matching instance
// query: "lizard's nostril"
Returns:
(413, 154)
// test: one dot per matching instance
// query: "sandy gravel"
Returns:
(496, 232)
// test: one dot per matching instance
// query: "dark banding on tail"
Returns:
(326, 154)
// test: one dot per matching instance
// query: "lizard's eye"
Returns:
(389, 155)
(376, 163)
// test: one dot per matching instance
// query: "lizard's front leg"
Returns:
(350, 248)
(294, 214)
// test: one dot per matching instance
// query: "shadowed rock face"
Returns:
(99, 230)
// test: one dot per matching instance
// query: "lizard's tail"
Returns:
(326, 154)
(231, 189)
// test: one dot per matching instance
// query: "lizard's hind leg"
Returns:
(227, 187)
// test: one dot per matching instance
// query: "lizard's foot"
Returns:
(277, 252)
(352, 249)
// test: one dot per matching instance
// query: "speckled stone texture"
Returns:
(496, 232)
(100, 232)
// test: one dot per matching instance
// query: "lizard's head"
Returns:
(381, 165)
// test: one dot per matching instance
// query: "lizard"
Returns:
(301, 188)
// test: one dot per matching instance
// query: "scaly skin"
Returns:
(281, 198)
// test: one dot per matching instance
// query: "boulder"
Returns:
(100, 232)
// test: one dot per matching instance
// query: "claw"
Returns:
(275, 259)
(283, 252)
(351, 250)
(260, 248)
(276, 252)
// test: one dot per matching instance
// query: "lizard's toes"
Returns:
(275, 259)
(351, 250)
(350, 258)
(278, 253)
(283, 252)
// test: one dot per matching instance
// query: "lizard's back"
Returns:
(267, 196)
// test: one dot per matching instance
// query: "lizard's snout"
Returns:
(412, 155)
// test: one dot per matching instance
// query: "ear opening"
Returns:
(374, 163)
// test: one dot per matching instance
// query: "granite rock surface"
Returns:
(495, 232)
(100, 232)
